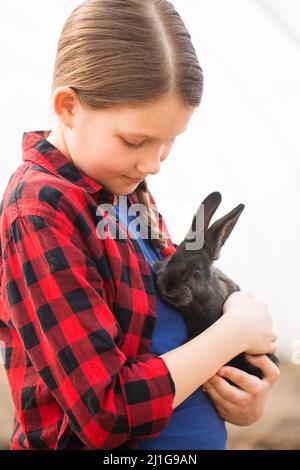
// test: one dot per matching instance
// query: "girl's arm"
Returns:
(196, 361)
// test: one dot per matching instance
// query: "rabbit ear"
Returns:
(218, 233)
(210, 203)
(204, 214)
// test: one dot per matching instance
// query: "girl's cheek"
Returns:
(120, 163)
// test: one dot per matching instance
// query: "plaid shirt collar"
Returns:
(40, 151)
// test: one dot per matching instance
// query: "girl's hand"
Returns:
(254, 321)
(244, 405)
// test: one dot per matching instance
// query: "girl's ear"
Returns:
(218, 233)
(64, 104)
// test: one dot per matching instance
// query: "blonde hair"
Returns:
(114, 52)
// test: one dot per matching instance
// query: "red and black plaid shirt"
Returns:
(77, 314)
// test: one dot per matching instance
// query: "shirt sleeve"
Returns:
(55, 297)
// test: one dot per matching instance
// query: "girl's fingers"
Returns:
(272, 349)
(246, 382)
(227, 391)
(270, 371)
(212, 392)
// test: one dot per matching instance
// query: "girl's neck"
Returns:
(56, 138)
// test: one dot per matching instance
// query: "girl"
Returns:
(94, 357)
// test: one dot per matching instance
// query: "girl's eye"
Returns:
(137, 146)
(133, 146)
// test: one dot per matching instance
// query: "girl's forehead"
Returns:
(149, 120)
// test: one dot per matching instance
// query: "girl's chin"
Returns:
(123, 187)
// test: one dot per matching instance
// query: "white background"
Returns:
(243, 140)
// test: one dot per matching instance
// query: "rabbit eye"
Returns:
(197, 273)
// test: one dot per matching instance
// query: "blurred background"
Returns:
(242, 141)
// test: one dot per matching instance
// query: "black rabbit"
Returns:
(189, 281)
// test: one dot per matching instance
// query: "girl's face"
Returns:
(119, 143)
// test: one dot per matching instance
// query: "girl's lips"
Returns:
(134, 180)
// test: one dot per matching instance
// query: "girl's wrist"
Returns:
(235, 327)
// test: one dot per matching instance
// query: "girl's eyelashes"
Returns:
(132, 146)
(137, 146)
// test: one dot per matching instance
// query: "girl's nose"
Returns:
(151, 162)
(149, 167)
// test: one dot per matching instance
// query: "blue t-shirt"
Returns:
(195, 423)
